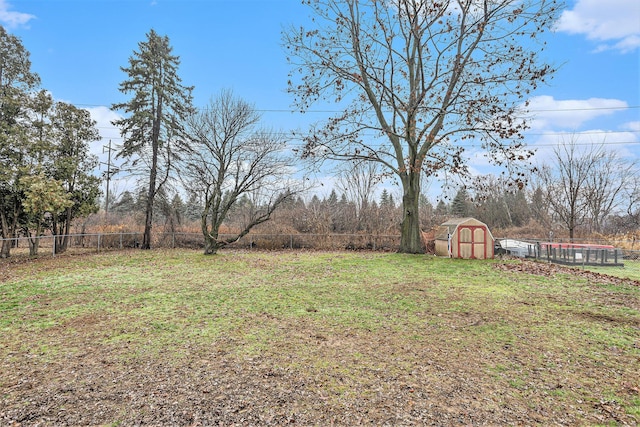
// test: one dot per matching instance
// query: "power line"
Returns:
(299, 136)
(559, 133)
(289, 111)
(293, 144)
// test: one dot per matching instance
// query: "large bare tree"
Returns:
(231, 161)
(565, 181)
(418, 78)
(608, 185)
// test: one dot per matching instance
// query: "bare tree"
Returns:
(566, 181)
(419, 77)
(359, 181)
(491, 206)
(606, 185)
(632, 197)
(229, 159)
(498, 204)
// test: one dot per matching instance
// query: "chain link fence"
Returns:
(98, 242)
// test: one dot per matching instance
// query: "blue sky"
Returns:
(78, 46)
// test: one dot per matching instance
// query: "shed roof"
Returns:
(451, 224)
(458, 221)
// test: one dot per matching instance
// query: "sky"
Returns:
(79, 46)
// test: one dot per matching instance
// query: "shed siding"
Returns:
(442, 248)
(470, 239)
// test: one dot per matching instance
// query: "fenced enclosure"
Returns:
(579, 254)
(568, 253)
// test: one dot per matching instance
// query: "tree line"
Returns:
(608, 199)
(220, 153)
(46, 172)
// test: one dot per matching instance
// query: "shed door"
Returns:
(472, 241)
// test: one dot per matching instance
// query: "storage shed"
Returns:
(465, 238)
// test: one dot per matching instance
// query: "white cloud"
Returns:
(120, 182)
(613, 23)
(620, 142)
(632, 126)
(103, 117)
(550, 113)
(13, 19)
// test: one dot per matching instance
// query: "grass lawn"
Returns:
(630, 270)
(314, 338)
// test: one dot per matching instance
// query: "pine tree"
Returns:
(125, 204)
(442, 209)
(332, 201)
(384, 198)
(461, 205)
(159, 106)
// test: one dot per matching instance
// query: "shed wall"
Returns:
(470, 238)
(441, 248)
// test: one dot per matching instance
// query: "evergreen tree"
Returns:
(157, 111)
(384, 199)
(193, 208)
(461, 205)
(442, 209)
(332, 201)
(426, 212)
(17, 83)
(178, 208)
(518, 207)
(125, 204)
(73, 165)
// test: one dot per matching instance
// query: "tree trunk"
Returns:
(148, 222)
(8, 233)
(573, 212)
(64, 245)
(153, 173)
(410, 241)
(210, 245)
(571, 227)
(61, 231)
(34, 242)
(5, 251)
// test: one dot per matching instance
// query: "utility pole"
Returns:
(109, 172)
